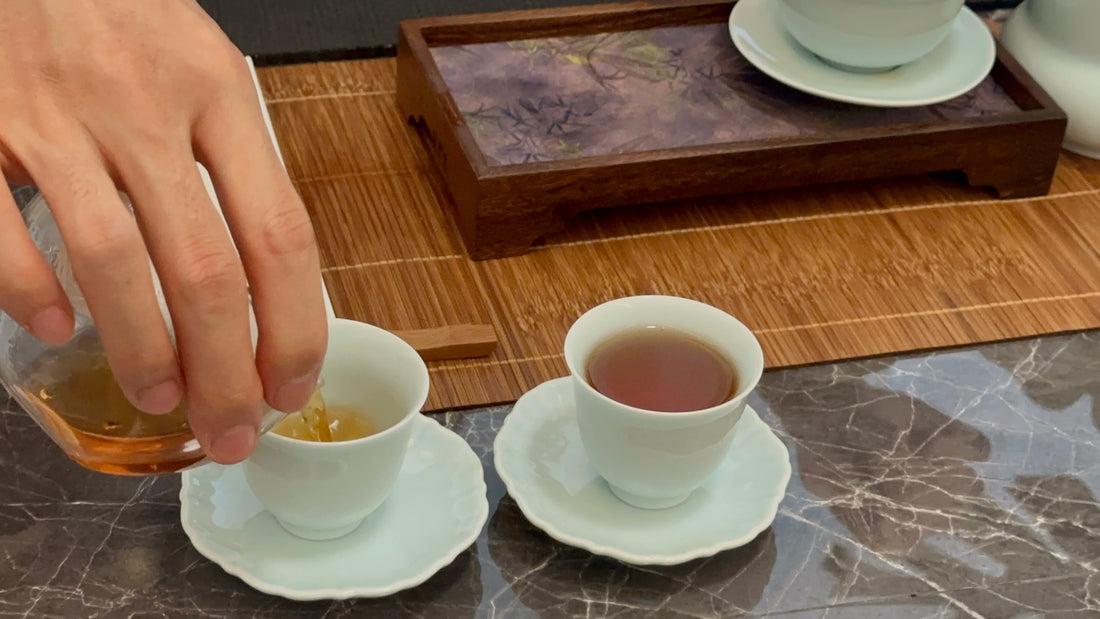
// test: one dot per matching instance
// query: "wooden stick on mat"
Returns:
(452, 342)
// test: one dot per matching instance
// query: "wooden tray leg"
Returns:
(1024, 177)
(502, 234)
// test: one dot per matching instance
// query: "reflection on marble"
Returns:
(957, 484)
(944, 474)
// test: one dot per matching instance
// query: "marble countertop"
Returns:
(955, 484)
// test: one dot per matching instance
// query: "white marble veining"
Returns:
(956, 484)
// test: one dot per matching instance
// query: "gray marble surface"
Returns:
(955, 484)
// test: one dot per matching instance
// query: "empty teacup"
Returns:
(323, 490)
(869, 35)
(660, 384)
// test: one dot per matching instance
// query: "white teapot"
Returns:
(1058, 43)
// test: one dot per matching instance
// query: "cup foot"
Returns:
(648, 502)
(318, 535)
(854, 69)
(1087, 150)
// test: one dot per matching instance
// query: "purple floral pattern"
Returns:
(643, 90)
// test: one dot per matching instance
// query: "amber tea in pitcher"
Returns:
(70, 391)
(81, 405)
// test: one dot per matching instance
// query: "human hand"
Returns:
(99, 94)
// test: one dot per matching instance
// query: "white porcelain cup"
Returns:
(655, 459)
(869, 35)
(1057, 42)
(325, 490)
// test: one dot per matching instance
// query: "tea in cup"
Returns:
(869, 36)
(322, 486)
(659, 383)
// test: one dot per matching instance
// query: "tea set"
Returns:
(902, 54)
(434, 510)
(380, 514)
(377, 515)
(848, 51)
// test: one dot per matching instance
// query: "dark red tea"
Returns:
(661, 369)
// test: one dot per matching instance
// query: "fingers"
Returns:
(12, 170)
(275, 237)
(29, 291)
(111, 266)
(204, 284)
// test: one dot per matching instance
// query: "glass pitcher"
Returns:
(71, 393)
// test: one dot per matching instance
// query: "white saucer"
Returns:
(954, 67)
(539, 455)
(435, 511)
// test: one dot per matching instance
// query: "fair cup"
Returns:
(869, 36)
(323, 491)
(655, 459)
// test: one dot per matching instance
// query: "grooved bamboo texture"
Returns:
(820, 273)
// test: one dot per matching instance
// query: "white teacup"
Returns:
(869, 35)
(325, 490)
(656, 459)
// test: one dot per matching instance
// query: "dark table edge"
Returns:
(389, 50)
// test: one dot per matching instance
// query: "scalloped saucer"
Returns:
(435, 511)
(540, 457)
(958, 64)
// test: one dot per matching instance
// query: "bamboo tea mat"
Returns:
(820, 274)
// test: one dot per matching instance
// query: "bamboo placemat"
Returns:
(820, 274)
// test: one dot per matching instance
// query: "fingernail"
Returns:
(234, 445)
(293, 395)
(160, 399)
(52, 326)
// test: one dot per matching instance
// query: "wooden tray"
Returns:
(523, 145)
